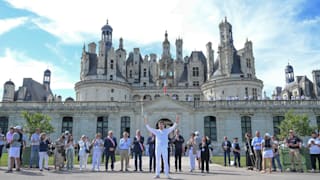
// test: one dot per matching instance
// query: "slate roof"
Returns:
(35, 90)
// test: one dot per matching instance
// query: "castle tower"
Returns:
(8, 91)
(316, 83)
(121, 56)
(106, 36)
(179, 49)
(47, 79)
(166, 47)
(210, 59)
(289, 74)
(226, 48)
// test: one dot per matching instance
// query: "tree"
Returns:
(37, 120)
(297, 122)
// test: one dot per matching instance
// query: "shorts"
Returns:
(267, 153)
(14, 152)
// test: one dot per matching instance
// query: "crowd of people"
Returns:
(261, 152)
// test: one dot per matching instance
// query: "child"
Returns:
(236, 152)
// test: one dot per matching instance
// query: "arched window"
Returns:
(111, 77)
(67, 124)
(130, 74)
(144, 72)
(276, 122)
(245, 126)
(4, 121)
(125, 125)
(111, 64)
(210, 127)
(102, 125)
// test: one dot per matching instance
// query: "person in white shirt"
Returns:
(161, 147)
(84, 152)
(314, 147)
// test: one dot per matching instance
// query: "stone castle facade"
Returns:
(216, 96)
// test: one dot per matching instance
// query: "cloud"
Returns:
(16, 65)
(278, 35)
(10, 23)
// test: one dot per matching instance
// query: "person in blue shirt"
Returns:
(124, 146)
(256, 143)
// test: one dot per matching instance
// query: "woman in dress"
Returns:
(59, 152)
(250, 159)
(267, 152)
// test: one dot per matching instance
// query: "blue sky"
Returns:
(36, 35)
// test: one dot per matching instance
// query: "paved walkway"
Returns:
(216, 172)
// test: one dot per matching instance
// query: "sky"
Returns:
(49, 34)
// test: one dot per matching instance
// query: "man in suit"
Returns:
(178, 141)
(226, 147)
(152, 158)
(110, 145)
(138, 149)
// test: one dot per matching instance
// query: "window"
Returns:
(102, 125)
(187, 97)
(130, 74)
(144, 72)
(196, 97)
(210, 127)
(248, 63)
(111, 77)
(276, 122)
(125, 125)
(4, 124)
(254, 93)
(195, 83)
(318, 123)
(112, 90)
(144, 84)
(111, 64)
(246, 92)
(195, 71)
(245, 126)
(67, 124)
(249, 75)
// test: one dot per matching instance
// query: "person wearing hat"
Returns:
(15, 147)
(267, 152)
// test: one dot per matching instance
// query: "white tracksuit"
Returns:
(161, 147)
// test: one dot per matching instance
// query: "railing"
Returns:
(115, 106)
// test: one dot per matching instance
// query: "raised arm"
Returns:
(170, 129)
(154, 131)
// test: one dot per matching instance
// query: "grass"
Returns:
(4, 160)
(220, 160)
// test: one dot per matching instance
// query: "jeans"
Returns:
(138, 155)
(34, 157)
(313, 158)
(258, 164)
(276, 157)
(237, 159)
(226, 154)
(70, 154)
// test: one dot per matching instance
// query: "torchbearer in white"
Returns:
(161, 147)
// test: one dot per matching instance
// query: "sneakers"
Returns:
(156, 177)
(9, 171)
(168, 177)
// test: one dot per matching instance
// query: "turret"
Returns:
(166, 47)
(289, 74)
(179, 55)
(8, 91)
(210, 59)
(47, 79)
(226, 38)
(106, 36)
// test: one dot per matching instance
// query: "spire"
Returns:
(121, 43)
(225, 19)
(84, 47)
(107, 21)
(166, 36)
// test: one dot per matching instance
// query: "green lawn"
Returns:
(220, 160)
(4, 160)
